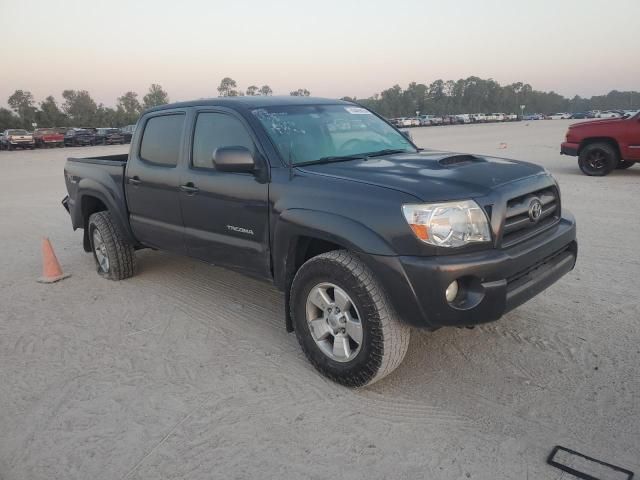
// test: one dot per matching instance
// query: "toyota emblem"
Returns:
(535, 210)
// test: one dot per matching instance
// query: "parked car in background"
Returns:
(463, 118)
(48, 137)
(604, 145)
(580, 115)
(511, 117)
(17, 137)
(608, 114)
(108, 136)
(128, 132)
(498, 117)
(432, 120)
(405, 122)
(559, 116)
(75, 137)
(478, 117)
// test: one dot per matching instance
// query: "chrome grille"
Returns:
(519, 226)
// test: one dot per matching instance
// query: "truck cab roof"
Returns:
(250, 102)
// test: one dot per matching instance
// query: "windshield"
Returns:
(17, 132)
(308, 133)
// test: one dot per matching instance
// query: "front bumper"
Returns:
(569, 148)
(493, 282)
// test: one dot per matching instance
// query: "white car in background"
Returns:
(463, 118)
(499, 117)
(404, 122)
(559, 116)
(607, 114)
(478, 117)
(430, 120)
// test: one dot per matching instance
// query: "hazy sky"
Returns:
(331, 47)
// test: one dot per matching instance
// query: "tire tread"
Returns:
(122, 258)
(391, 337)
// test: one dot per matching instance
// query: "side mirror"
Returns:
(233, 159)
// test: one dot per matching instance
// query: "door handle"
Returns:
(189, 189)
(134, 181)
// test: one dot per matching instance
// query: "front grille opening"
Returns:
(518, 224)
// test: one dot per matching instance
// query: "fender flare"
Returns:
(297, 223)
(90, 188)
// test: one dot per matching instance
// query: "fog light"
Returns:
(452, 291)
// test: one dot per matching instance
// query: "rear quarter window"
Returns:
(161, 139)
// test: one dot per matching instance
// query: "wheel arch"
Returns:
(591, 140)
(92, 199)
(301, 234)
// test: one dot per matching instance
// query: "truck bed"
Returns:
(103, 178)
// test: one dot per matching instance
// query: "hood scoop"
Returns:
(454, 161)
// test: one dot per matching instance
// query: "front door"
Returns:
(152, 183)
(225, 214)
(630, 138)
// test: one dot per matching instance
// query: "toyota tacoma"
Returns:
(366, 234)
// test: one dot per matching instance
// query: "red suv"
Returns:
(603, 145)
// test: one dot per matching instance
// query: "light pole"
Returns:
(522, 111)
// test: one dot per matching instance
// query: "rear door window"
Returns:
(162, 138)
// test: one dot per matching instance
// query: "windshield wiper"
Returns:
(388, 151)
(336, 158)
(358, 156)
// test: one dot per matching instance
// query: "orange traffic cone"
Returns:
(51, 271)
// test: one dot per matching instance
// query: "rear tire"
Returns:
(598, 159)
(372, 343)
(115, 257)
(624, 164)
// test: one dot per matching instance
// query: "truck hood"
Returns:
(604, 121)
(431, 176)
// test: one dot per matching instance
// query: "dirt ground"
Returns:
(186, 371)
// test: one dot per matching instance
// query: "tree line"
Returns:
(477, 95)
(469, 95)
(78, 109)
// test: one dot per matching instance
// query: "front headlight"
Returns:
(449, 224)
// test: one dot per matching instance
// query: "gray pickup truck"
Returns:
(366, 234)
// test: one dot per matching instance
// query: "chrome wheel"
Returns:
(597, 160)
(100, 251)
(334, 322)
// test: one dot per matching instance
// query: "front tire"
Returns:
(115, 257)
(598, 159)
(344, 322)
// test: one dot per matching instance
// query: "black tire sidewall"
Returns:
(366, 364)
(611, 160)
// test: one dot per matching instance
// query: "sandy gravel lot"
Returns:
(186, 371)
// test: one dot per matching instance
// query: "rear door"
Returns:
(152, 181)
(225, 214)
